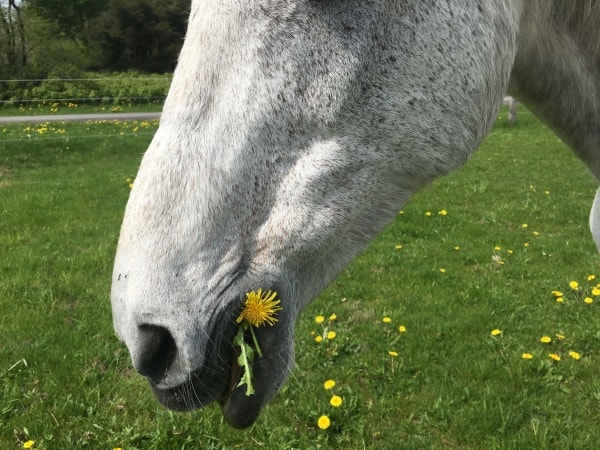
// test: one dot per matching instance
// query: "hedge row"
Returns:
(85, 88)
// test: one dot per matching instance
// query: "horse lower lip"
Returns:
(234, 374)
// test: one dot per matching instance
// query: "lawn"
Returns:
(446, 331)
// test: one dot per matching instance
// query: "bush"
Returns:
(70, 84)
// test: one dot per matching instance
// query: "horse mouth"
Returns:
(239, 410)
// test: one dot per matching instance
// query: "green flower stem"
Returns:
(256, 346)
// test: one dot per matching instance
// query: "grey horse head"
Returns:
(292, 134)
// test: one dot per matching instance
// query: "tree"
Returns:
(145, 35)
(71, 16)
(13, 50)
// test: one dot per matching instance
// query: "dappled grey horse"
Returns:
(293, 132)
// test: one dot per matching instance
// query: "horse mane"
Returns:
(581, 19)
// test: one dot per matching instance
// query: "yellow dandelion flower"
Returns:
(574, 285)
(547, 192)
(398, 247)
(546, 339)
(560, 299)
(442, 270)
(560, 336)
(554, 356)
(331, 335)
(332, 318)
(536, 233)
(393, 354)
(497, 248)
(324, 422)
(428, 213)
(260, 309)
(402, 329)
(329, 384)
(527, 356)
(457, 248)
(596, 291)
(319, 319)
(29, 444)
(524, 225)
(386, 319)
(318, 338)
(591, 277)
(557, 293)
(443, 212)
(526, 245)
(588, 300)
(336, 401)
(576, 356)
(496, 332)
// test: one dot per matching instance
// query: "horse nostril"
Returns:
(157, 351)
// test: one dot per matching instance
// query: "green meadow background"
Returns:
(438, 326)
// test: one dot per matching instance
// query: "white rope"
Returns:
(67, 138)
(40, 100)
(83, 79)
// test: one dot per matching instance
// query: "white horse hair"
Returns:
(293, 132)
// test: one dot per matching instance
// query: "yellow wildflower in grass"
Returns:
(554, 356)
(324, 422)
(546, 339)
(319, 319)
(596, 291)
(536, 233)
(259, 309)
(393, 354)
(560, 336)
(336, 401)
(329, 384)
(527, 356)
(524, 225)
(442, 270)
(402, 329)
(497, 248)
(557, 294)
(398, 247)
(591, 277)
(496, 332)
(332, 318)
(331, 335)
(443, 212)
(576, 356)
(29, 444)
(526, 245)
(560, 299)
(318, 339)
(588, 300)
(574, 285)
(428, 213)
(457, 248)
(386, 319)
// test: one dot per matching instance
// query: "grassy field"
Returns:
(441, 326)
